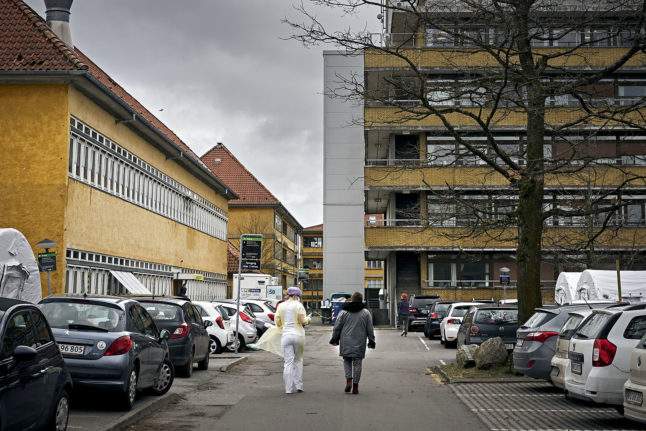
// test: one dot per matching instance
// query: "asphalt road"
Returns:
(396, 392)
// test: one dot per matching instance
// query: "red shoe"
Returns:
(348, 385)
(355, 388)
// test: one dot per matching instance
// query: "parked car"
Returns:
(434, 317)
(35, 384)
(419, 307)
(600, 353)
(560, 361)
(483, 322)
(247, 332)
(221, 336)
(189, 340)
(264, 312)
(451, 323)
(536, 339)
(110, 343)
(635, 386)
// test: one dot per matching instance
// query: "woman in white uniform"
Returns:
(290, 316)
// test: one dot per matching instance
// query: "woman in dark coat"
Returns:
(352, 327)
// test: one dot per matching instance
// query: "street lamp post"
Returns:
(504, 280)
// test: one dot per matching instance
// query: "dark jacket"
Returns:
(352, 327)
(404, 309)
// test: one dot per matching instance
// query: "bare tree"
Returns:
(256, 224)
(561, 77)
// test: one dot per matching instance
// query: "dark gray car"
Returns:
(189, 340)
(34, 382)
(484, 322)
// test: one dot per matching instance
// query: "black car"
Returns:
(189, 340)
(483, 322)
(34, 381)
(419, 307)
(435, 316)
(110, 343)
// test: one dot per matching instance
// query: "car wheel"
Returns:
(164, 378)
(441, 338)
(186, 370)
(204, 363)
(215, 347)
(128, 396)
(234, 344)
(61, 413)
(243, 345)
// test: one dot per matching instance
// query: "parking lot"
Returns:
(535, 406)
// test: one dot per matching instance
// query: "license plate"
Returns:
(519, 343)
(634, 397)
(509, 346)
(576, 367)
(71, 349)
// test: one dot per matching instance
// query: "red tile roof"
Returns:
(318, 227)
(233, 254)
(28, 44)
(226, 167)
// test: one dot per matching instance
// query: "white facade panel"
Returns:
(343, 170)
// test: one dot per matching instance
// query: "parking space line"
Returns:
(424, 343)
(442, 362)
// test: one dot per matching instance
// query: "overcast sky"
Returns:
(221, 72)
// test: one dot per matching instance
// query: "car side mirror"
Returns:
(207, 323)
(164, 334)
(24, 353)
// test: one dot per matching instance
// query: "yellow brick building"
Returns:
(86, 165)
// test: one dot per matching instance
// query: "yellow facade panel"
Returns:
(106, 224)
(34, 131)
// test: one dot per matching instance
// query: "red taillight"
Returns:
(271, 316)
(474, 330)
(603, 353)
(434, 316)
(540, 336)
(246, 318)
(119, 346)
(413, 310)
(180, 331)
(531, 363)
(218, 320)
(454, 321)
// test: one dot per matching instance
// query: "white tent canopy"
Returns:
(597, 284)
(565, 289)
(19, 275)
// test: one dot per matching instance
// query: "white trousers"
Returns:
(293, 370)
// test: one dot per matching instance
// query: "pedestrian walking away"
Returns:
(404, 313)
(353, 326)
(290, 318)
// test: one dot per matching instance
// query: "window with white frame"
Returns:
(374, 284)
(103, 164)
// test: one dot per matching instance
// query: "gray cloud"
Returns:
(222, 72)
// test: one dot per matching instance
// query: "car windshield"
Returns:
(269, 305)
(570, 325)
(539, 318)
(163, 312)
(459, 311)
(441, 308)
(422, 302)
(83, 315)
(591, 327)
(496, 316)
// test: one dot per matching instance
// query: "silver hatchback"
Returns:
(110, 343)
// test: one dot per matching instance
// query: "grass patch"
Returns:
(455, 372)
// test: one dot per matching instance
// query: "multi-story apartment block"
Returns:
(431, 119)
(313, 260)
(84, 164)
(258, 211)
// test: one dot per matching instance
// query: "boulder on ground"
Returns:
(464, 356)
(491, 353)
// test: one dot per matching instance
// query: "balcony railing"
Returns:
(443, 221)
(453, 284)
